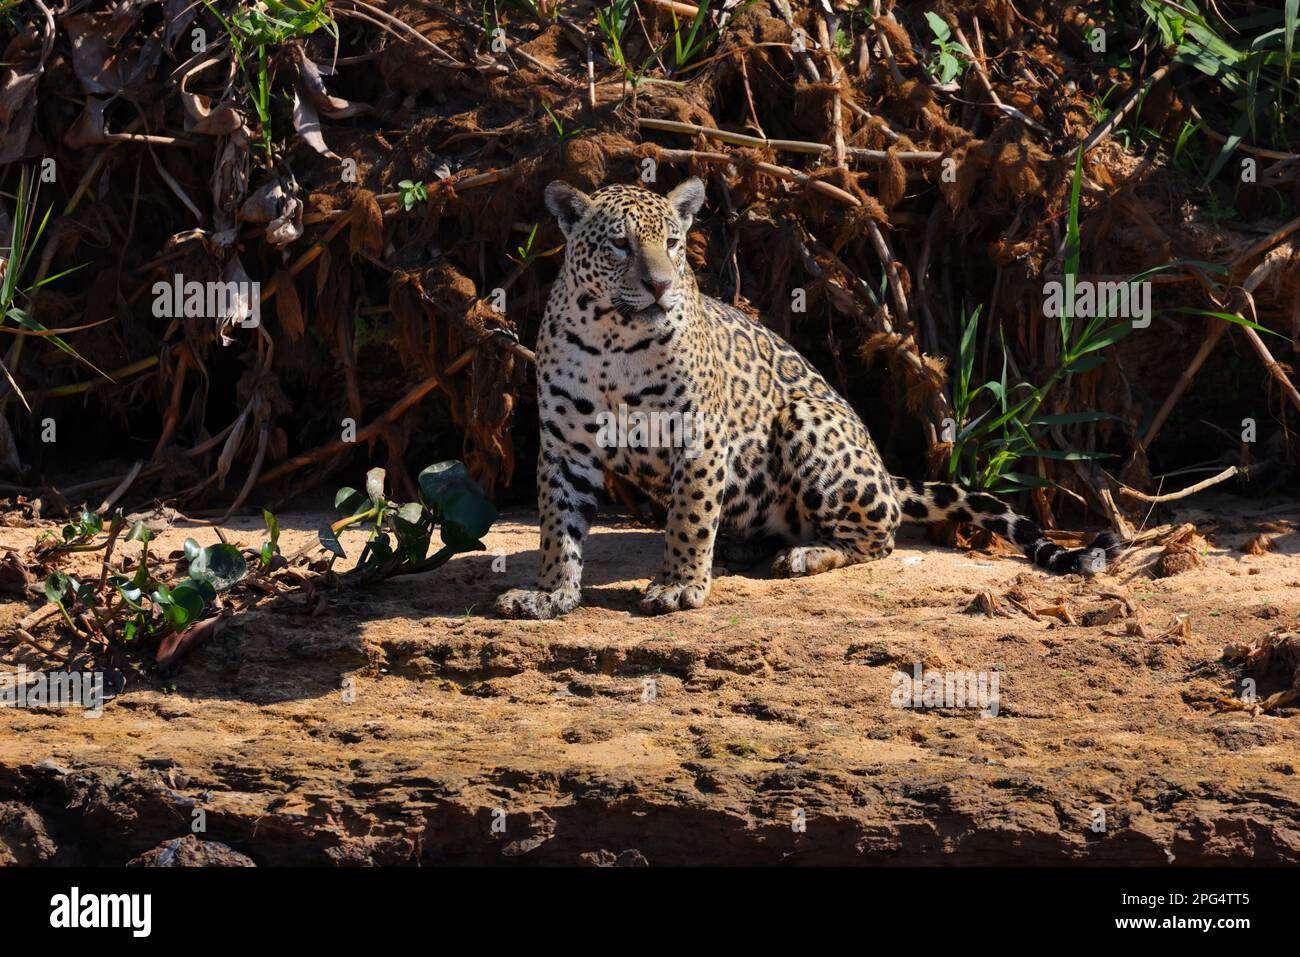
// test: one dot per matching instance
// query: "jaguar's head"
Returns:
(626, 246)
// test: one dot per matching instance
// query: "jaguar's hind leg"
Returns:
(741, 554)
(842, 506)
(823, 556)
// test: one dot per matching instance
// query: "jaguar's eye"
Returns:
(619, 244)
(674, 244)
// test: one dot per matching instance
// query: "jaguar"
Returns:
(773, 461)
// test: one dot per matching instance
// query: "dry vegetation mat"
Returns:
(891, 186)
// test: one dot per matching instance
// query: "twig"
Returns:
(1104, 130)
(885, 50)
(511, 45)
(1244, 147)
(25, 636)
(122, 486)
(1190, 490)
(397, 27)
(409, 400)
(886, 255)
(1223, 476)
(801, 57)
(114, 378)
(1272, 261)
(1276, 370)
(988, 86)
(685, 9)
(837, 108)
(1267, 243)
(726, 136)
(770, 169)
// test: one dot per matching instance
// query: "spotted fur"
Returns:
(777, 455)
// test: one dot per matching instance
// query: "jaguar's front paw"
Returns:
(661, 599)
(531, 603)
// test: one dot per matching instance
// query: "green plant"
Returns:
(270, 549)
(254, 29)
(612, 21)
(987, 447)
(152, 601)
(412, 192)
(560, 131)
(400, 534)
(526, 253)
(842, 43)
(1255, 75)
(15, 258)
(146, 598)
(695, 42)
(951, 60)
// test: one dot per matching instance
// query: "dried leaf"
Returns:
(366, 232)
(288, 307)
(23, 63)
(307, 123)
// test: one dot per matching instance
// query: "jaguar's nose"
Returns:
(659, 286)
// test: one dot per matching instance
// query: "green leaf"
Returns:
(412, 512)
(1085, 364)
(221, 565)
(55, 587)
(375, 485)
(412, 537)
(348, 502)
(378, 551)
(471, 511)
(440, 480)
(204, 588)
(187, 604)
(1072, 246)
(938, 26)
(1107, 338)
(1028, 481)
(1239, 130)
(1292, 17)
(140, 533)
(456, 538)
(273, 527)
(329, 541)
(131, 593)
(192, 549)
(967, 347)
(1228, 317)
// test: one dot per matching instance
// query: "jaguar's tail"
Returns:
(939, 501)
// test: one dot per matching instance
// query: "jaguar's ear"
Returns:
(687, 199)
(567, 205)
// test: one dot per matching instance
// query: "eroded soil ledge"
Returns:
(614, 738)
